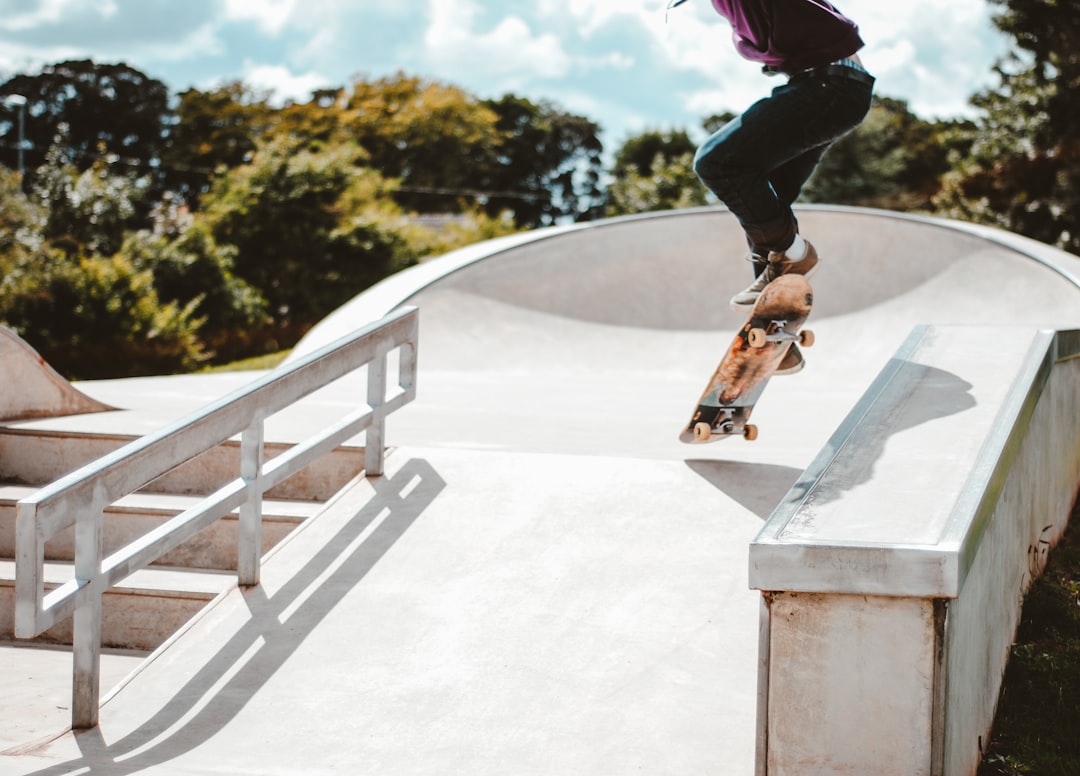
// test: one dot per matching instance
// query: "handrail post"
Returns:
(29, 570)
(86, 665)
(249, 541)
(407, 365)
(86, 625)
(375, 444)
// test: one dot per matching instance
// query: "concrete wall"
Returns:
(893, 573)
(850, 690)
(1026, 515)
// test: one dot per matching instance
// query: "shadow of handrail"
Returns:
(278, 625)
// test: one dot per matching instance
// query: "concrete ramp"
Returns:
(32, 388)
(599, 338)
(675, 271)
(546, 580)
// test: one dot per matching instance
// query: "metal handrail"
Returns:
(80, 498)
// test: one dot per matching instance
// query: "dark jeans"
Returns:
(757, 164)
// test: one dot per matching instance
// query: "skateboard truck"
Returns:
(759, 337)
(723, 425)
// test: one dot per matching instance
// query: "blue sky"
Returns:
(618, 62)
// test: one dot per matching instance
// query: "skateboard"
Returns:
(774, 324)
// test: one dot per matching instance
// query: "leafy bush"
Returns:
(192, 270)
(98, 317)
(21, 223)
(311, 228)
(88, 212)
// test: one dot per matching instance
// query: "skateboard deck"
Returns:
(775, 323)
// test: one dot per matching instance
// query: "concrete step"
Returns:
(37, 456)
(140, 613)
(133, 516)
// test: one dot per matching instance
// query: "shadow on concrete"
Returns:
(758, 487)
(916, 395)
(926, 393)
(217, 692)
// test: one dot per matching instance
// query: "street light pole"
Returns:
(18, 99)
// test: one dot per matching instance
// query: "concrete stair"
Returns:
(150, 605)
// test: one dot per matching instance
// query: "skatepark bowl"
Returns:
(544, 580)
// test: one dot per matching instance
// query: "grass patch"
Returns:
(1037, 727)
(250, 364)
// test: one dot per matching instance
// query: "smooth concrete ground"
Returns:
(545, 580)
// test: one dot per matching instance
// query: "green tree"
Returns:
(314, 124)
(22, 223)
(669, 185)
(88, 315)
(545, 165)
(1023, 170)
(436, 235)
(717, 121)
(87, 211)
(192, 271)
(646, 151)
(110, 108)
(215, 130)
(429, 135)
(97, 317)
(311, 229)
(892, 160)
(1050, 75)
(655, 171)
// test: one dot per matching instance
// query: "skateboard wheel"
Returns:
(750, 433)
(757, 338)
(702, 431)
(806, 338)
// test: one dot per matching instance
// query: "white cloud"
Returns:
(19, 58)
(284, 84)
(201, 41)
(455, 48)
(618, 62)
(911, 47)
(62, 39)
(342, 13)
(270, 16)
(590, 17)
(931, 53)
(735, 98)
(46, 12)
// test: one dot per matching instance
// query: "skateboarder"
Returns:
(758, 163)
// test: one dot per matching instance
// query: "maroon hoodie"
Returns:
(790, 35)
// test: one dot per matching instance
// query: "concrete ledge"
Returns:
(940, 426)
(893, 572)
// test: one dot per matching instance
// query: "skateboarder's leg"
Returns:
(787, 181)
(758, 162)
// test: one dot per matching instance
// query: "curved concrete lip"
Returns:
(598, 338)
(651, 252)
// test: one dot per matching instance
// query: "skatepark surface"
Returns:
(545, 581)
